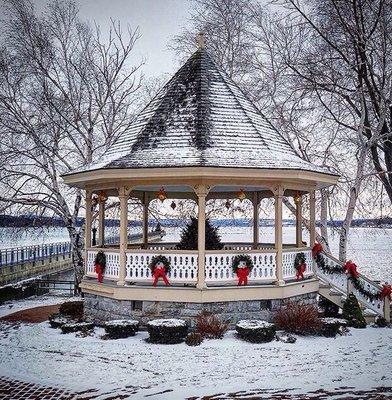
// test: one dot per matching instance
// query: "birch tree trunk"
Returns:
(353, 197)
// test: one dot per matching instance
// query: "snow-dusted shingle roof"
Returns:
(201, 118)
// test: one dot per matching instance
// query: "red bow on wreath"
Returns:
(242, 274)
(160, 272)
(99, 272)
(317, 248)
(300, 271)
(351, 269)
(386, 292)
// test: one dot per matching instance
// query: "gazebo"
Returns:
(200, 138)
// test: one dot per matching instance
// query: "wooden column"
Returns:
(312, 229)
(201, 192)
(123, 194)
(87, 228)
(256, 220)
(298, 221)
(278, 194)
(145, 220)
(387, 309)
(101, 224)
(87, 224)
(312, 218)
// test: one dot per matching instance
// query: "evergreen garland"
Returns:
(242, 257)
(159, 259)
(299, 260)
(339, 269)
(100, 259)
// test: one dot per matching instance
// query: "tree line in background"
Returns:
(321, 72)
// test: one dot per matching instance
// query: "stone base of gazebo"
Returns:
(104, 303)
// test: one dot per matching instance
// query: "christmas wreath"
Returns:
(300, 265)
(242, 265)
(100, 265)
(160, 266)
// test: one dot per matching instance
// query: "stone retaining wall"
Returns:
(100, 309)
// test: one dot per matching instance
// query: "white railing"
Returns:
(112, 264)
(339, 282)
(288, 258)
(183, 266)
(218, 267)
(162, 246)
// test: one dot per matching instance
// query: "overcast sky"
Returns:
(158, 21)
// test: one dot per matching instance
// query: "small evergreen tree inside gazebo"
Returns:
(189, 238)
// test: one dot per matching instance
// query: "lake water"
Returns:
(369, 248)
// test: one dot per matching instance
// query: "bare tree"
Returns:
(65, 96)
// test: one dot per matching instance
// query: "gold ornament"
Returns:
(297, 198)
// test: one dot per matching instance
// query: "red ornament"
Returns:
(99, 272)
(300, 272)
(160, 272)
(351, 269)
(242, 274)
(162, 194)
(386, 292)
(317, 248)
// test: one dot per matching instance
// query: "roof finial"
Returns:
(200, 39)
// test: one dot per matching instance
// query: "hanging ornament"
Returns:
(297, 198)
(241, 195)
(228, 204)
(162, 195)
(102, 197)
(173, 205)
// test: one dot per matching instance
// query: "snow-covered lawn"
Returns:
(13, 306)
(40, 354)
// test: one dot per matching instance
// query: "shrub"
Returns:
(73, 309)
(298, 318)
(381, 322)
(167, 331)
(352, 312)
(194, 339)
(332, 326)
(210, 326)
(57, 320)
(77, 327)
(256, 331)
(119, 329)
(329, 309)
(286, 338)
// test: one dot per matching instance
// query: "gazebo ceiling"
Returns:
(199, 119)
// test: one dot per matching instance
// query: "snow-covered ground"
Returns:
(11, 307)
(40, 354)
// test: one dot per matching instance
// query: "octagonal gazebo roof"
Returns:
(200, 118)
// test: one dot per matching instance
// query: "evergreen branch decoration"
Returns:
(357, 283)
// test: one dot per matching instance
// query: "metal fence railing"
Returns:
(33, 253)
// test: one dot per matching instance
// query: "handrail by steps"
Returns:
(341, 283)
